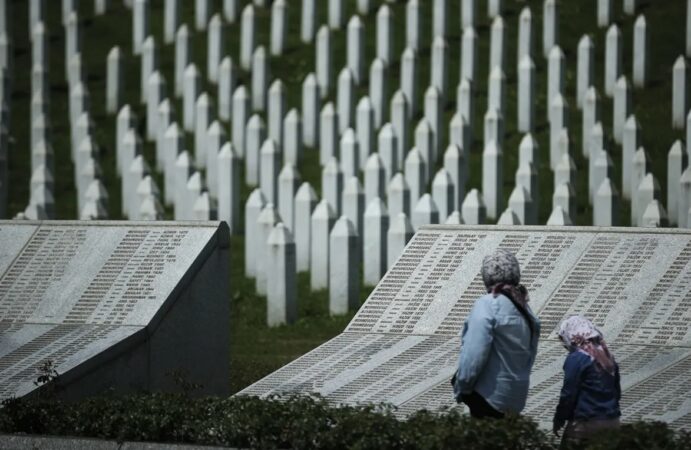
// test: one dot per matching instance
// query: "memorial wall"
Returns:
(402, 346)
(121, 305)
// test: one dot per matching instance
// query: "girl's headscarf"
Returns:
(501, 274)
(579, 334)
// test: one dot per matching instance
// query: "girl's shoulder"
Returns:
(577, 358)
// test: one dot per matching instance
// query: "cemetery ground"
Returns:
(257, 350)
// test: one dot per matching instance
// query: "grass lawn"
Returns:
(256, 349)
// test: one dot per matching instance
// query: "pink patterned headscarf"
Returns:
(579, 334)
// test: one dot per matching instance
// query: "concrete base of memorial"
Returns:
(124, 306)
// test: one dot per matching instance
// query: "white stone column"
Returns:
(355, 50)
(679, 93)
(344, 270)
(332, 184)
(335, 14)
(400, 232)
(353, 201)
(443, 194)
(241, 111)
(388, 150)
(400, 124)
(305, 202)
(375, 181)
(261, 74)
(323, 61)
(171, 20)
(268, 170)
(227, 77)
(412, 24)
(255, 135)
(114, 80)
(216, 48)
(247, 37)
(606, 205)
(288, 182)
(308, 19)
(385, 34)
(183, 57)
(229, 187)
(345, 99)
(526, 95)
(191, 91)
(496, 50)
(415, 176)
(292, 137)
(440, 67)
(440, 13)
(409, 80)
(398, 195)
(473, 208)
(379, 91)
(203, 116)
(640, 52)
(468, 56)
(585, 70)
(311, 107)
(525, 33)
(277, 110)
(591, 116)
(328, 134)
(550, 26)
(279, 26)
(364, 126)
(350, 154)
(268, 218)
(613, 59)
(140, 24)
(281, 299)
(492, 179)
(677, 162)
(376, 225)
(323, 219)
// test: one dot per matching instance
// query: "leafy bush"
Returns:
(294, 422)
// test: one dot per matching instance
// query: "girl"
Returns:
(589, 399)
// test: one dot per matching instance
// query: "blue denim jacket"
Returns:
(588, 392)
(497, 353)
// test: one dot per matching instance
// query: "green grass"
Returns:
(256, 349)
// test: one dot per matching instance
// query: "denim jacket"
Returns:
(589, 392)
(497, 353)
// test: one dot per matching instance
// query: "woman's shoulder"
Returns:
(577, 358)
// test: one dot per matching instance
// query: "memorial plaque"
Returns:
(134, 300)
(402, 346)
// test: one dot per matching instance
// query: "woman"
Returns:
(499, 343)
(589, 398)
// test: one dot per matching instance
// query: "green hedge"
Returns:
(295, 422)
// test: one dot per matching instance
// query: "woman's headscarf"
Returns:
(501, 274)
(579, 334)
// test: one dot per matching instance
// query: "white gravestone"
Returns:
(292, 137)
(266, 221)
(247, 37)
(114, 80)
(183, 57)
(353, 201)
(261, 74)
(375, 178)
(279, 26)
(227, 79)
(585, 69)
(277, 110)
(409, 80)
(398, 195)
(305, 202)
(269, 169)
(255, 136)
(376, 225)
(345, 99)
(355, 51)
(473, 208)
(253, 206)
(641, 52)
(328, 133)
(332, 184)
(385, 34)
(311, 107)
(412, 24)
(241, 111)
(323, 219)
(550, 26)
(216, 39)
(606, 205)
(281, 299)
(677, 162)
(613, 59)
(679, 93)
(399, 233)
(323, 61)
(288, 182)
(443, 194)
(344, 271)
(379, 91)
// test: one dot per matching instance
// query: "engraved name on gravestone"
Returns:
(402, 346)
(70, 291)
